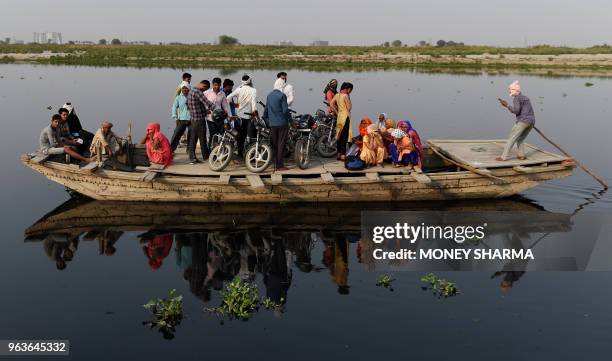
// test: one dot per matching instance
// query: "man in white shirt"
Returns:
(247, 103)
(287, 88)
(217, 97)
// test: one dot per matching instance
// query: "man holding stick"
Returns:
(525, 121)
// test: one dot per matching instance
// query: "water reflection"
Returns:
(213, 244)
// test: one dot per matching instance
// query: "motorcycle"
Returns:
(303, 127)
(224, 144)
(258, 151)
(325, 134)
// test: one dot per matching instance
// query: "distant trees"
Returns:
(386, 44)
(442, 43)
(396, 43)
(115, 41)
(102, 41)
(227, 40)
(422, 43)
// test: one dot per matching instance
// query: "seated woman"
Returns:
(363, 130)
(416, 159)
(402, 149)
(158, 146)
(373, 149)
(386, 134)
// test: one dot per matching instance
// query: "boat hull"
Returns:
(129, 186)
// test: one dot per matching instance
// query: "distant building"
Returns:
(285, 43)
(320, 43)
(47, 37)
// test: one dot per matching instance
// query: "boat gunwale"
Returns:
(294, 179)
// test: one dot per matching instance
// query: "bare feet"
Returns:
(418, 169)
(521, 157)
(500, 159)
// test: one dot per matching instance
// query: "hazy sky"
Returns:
(493, 22)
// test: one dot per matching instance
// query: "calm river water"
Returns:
(333, 308)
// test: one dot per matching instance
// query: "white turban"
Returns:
(185, 84)
(68, 106)
(279, 84)
(515, 87)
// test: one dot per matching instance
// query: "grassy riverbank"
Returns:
(596, 59)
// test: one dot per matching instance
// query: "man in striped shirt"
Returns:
(198, 107)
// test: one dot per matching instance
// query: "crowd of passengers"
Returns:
(381, 141)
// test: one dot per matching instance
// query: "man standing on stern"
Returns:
(277, 116)
(525, 120)
(198, 107)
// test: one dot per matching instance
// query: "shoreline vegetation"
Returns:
(539, 60)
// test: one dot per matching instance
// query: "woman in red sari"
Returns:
(158, 146)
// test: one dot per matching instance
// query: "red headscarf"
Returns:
(363, 126)
(163, 154)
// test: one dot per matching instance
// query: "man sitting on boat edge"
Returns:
(51, 143)
(106, 141)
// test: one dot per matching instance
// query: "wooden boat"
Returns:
(453, 169)
(79, 216)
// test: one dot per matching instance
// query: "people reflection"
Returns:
(335, 258)
(515, 269)
(157, 249)
(60, 248)
(277, 271)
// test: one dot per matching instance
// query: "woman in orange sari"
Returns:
(373, 149)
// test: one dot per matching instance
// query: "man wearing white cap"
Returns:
(180, 113)
(525, 120)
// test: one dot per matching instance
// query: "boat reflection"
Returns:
(213, 244)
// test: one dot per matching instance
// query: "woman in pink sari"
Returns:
(415, 159)
(158, 146)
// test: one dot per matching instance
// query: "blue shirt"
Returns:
(179, 108)
(277, 109)
(521, 106)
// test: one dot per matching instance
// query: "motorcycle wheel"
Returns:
(258, 157)
(301, 154)
(326, 147)
(220, 157)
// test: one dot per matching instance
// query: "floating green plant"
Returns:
(588, 84)
(239, 300)
(385, 281)
(440, 286)
(167, 313)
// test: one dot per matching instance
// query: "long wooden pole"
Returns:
(575, 160)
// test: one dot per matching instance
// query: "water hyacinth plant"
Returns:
(167, 313)
(385, 281)
(239, 300)
(439, 286)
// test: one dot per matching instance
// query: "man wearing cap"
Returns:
(106, 141)
(525, 120)
(181, 115)
(247, 109)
